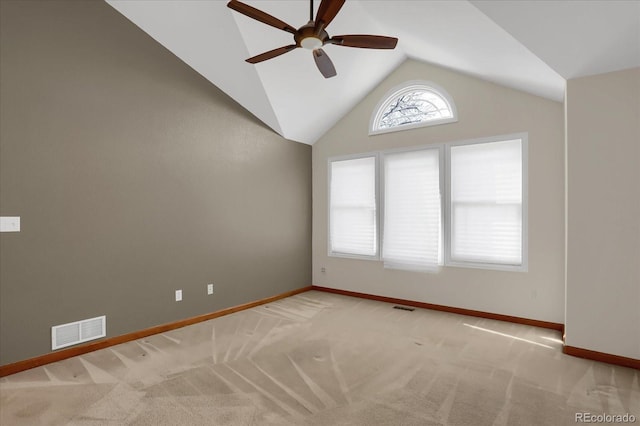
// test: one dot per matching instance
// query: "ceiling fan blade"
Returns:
(271, 54)
(324, 63)
(365, 41)
(259, 15)
(326, 12)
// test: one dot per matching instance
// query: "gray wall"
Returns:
(603, 232)
(484, 109)
(134, 177)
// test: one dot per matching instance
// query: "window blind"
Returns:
(486, 202)
(352, 207)
(412, 210)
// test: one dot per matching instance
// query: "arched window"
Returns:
(413, 104)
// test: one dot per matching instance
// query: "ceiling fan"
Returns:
(313, 35)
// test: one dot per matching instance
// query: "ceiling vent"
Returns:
(78, 332)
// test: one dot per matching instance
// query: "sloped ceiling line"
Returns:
(530, 46)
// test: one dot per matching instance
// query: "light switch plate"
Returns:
(10, 224)
(178, 295)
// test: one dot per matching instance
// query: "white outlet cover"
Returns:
(178, 295)
(10, 224)
(209, 288)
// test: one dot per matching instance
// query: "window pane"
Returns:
(414, 103)
(487, 233)
(412, 210)
(486, 202)
(414, 106)
(352, 204)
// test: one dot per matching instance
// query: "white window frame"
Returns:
(441, 163)
(409, 86)
(445, 189)
(448, 261)
(330, 252)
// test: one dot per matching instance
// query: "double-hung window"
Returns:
(487, 222)
(412, 210)
(353, 219)
(482, 224)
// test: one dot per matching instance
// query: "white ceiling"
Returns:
(533, 46)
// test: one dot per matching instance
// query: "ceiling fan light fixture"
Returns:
(313, 36)
(311, 43)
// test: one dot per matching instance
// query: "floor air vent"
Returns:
(404, 308)
(77, 332)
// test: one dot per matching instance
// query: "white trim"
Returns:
(330, 160)
(441, 164)
(524, 266)
(408, 86)
(445, 185)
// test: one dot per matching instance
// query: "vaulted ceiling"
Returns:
(533, 46)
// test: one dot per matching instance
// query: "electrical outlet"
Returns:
(323, 269)
(209, 288)
(178, 295)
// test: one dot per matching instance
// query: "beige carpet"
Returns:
(324, 359)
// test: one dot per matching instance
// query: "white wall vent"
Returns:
(77, 332)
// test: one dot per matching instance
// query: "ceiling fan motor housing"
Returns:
(308, 38)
